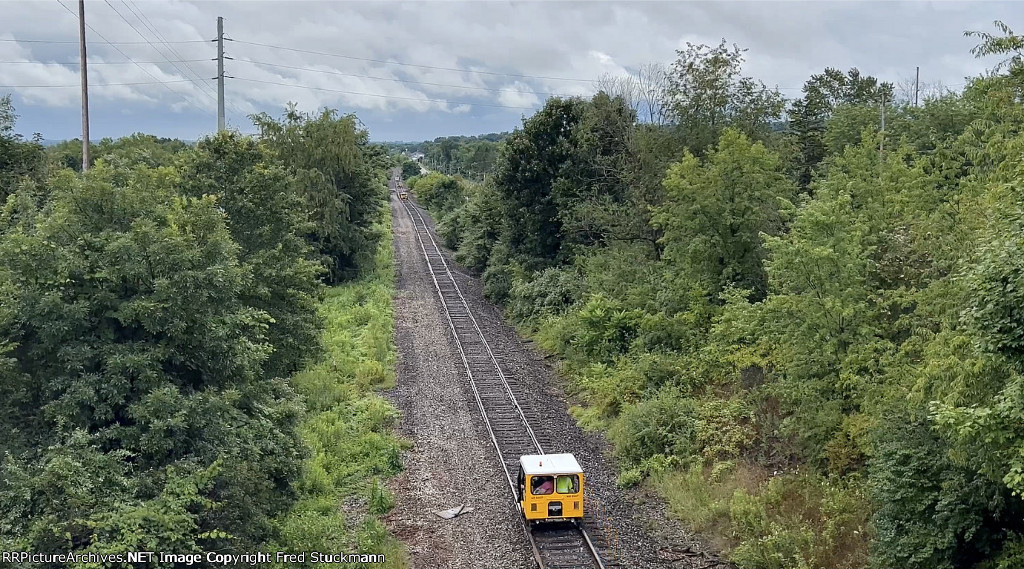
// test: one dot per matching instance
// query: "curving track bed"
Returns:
(555, 546)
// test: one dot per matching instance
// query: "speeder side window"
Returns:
(567, 484)
(540, 485)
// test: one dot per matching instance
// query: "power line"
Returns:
(137, 11)
(422, 100)
(413, 64)
(94, 62)
(457, 69)
(144, 70)
(97, 84)
(333, 72)
(109, 42)
(136, 30)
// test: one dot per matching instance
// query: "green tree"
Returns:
(19, 159)
(138, 375)
(266, 218)
(707, 94)
(410, 169)
(343, 193)
(823, 94)
(716, 212)
(932, 513)
(530, 177)
(1009, 44)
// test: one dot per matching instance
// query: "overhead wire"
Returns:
(415, 82)
(96, 84)
(137, 11)
(155, 48)
(92, 62)
(142, 17)
(16, 40)
(144, 70)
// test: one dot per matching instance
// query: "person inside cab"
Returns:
(567, 484)
(541, 485)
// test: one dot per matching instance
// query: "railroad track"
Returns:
(555, 546)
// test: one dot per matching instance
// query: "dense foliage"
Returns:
(152, 315)
(808, 337)
(21, 161)
(341, 182)
(131, 150)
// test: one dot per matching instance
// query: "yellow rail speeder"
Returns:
(550, 487)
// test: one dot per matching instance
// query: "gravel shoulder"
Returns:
(452, 447)
(452, 461)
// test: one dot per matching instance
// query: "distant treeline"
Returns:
(468, 156)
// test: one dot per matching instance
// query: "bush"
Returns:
(480, 222)
(549, 292)
(1012, 554)
(931, 513)
(438, 193)
(724, 429)
(603, 330)
(609, 389)
(450, 228)
(497, 277)
(663, 425)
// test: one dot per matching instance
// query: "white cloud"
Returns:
(524, 48)
(604, 58)
(518, 94)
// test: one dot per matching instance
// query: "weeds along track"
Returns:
(555, 546)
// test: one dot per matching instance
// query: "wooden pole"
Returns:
(85, 86)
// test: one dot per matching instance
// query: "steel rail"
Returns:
(465, 361)
(539, 542)
(476, 326)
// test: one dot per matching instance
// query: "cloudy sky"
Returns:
(418, 70)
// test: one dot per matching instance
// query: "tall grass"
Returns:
(348, 426)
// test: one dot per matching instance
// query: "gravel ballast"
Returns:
(453, 462)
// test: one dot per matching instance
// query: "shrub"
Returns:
(497, 277)
(550, 292)
(663, 425)
(610, 388)
(604, 330)
(931, 513)
(801, 521)
(724, 429)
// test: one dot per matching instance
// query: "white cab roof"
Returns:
(549, 464)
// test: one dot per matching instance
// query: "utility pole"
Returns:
(917, 83)
(85, 86)
(220, 73)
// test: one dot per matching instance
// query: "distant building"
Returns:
(417, 156)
